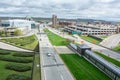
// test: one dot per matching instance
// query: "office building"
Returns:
(54, 20)
(91, 29)
(67, 23)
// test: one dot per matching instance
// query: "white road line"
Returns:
(61, 77)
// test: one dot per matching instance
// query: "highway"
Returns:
(52, 67)
(105, 51)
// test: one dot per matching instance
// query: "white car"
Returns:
(49, 54)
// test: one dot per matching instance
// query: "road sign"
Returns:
(75, 32)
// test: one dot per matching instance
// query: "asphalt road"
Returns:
(52, 66)
(105, 51)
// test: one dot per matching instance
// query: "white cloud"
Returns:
(99, 9)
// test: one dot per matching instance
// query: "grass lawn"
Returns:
(91, 39)
(82, 69)
(108, 58)
(29, 42)
(36, 71)
(103, 37)
(117, 48)
(4, 73)
(55, 39)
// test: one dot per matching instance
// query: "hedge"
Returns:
(23, 54)
(3, 52)
(15, 59)
(17, 77)
(18, 67)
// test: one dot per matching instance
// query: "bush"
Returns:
(15, 59)
(18, 67)
(23, 54)
(17, 77)
(4, 53)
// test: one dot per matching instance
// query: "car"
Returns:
(49, 54)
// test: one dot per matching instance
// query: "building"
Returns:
(91, 29)
(54, 20)
(24, 25)
(66, 23)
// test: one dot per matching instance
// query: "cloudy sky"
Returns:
(93, 9)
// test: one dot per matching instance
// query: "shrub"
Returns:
(17, 77)
(15, 59)
(23, 54)
(18, 67)
(4, 53)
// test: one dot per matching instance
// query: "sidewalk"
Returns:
(11, 47)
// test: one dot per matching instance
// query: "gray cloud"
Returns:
(98, 9)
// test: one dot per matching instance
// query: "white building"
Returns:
(24, 25)
(93, 29)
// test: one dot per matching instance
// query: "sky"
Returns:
(72, 9)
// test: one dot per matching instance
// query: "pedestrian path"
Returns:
(11, 47)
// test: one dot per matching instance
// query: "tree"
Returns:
(17, 32)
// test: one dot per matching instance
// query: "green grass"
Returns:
(82, 69)
(117, 48)
(36, 70)
(108, 58)
(29, 42)
(5, 72)
(55, 39)
(91, 39)
(103, 37)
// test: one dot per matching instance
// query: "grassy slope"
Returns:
(29, 42)
(55, 39)
(108, 58)
(90, 39)
(36, 72)
(5, 72)
(82, 69)
(117, 48)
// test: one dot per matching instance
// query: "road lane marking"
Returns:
(61, 77)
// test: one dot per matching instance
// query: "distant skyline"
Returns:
(71, 9)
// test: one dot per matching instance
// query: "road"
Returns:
(52, 67)
(105, 51)
(111, 41)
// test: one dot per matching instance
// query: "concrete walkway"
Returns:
(63, 50)
(11, 47)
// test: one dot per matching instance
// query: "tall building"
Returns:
(54, 20)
